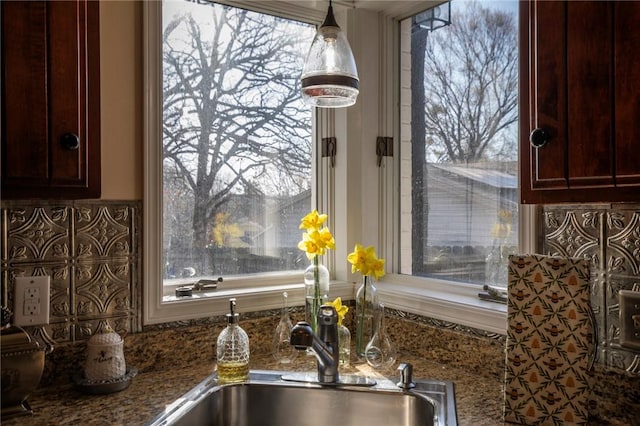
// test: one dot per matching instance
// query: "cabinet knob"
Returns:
(70, 141)
(539, 137)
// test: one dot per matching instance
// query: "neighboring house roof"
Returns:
(490, 177)
(462, 204)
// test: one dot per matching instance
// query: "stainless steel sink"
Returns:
(268, 400)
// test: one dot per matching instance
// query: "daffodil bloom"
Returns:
(310, 246)
(316, 243)
(341, 309)
(377, 269)
(357, 259)
(365, 261)
(324, 239)
(313, 221)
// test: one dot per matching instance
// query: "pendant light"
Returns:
(330, 78)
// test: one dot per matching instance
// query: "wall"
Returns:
(121, 99)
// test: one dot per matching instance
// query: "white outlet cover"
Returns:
(31, 300)
(629, 312)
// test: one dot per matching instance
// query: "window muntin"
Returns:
(236, 141)
(459, 208)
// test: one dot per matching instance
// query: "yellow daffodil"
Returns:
(324, 238)
(313, 221)
(316, 240)
(310, 246)
(341, 309)
(502, 228)
(365, 261)
(316, 243)
(377, 268)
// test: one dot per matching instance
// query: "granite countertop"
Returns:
(478, 398)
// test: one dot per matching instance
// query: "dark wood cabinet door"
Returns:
(627, 93)
(50, 99)
(579, 84)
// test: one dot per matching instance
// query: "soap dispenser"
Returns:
(233, 350)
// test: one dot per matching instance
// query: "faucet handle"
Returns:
(406, 376)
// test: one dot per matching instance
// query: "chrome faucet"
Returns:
(324, 345)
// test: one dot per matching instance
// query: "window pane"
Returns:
(459, 141)
(236, 140)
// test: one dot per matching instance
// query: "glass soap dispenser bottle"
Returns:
(232, 350)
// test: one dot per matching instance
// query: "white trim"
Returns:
(442, 300)
(249, 300)
(296, 10)
(152, 311)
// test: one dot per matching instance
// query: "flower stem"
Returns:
(359, 343)
(316, 294)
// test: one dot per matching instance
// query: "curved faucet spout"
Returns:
(324, 345)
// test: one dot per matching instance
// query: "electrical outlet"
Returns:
(31, 300)
(630, 319)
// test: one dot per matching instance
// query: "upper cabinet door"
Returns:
(50, 99)
(580, 102)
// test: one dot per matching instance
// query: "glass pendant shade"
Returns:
(330, 78)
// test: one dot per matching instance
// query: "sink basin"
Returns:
(268, 400)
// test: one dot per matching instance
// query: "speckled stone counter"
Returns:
(174, 359)
(150, 392)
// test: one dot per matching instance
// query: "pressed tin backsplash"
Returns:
(610, 237)
(91, 250)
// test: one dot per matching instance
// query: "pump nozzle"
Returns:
(232, 316)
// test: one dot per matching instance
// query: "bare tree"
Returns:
(471, 83)
(233, 118)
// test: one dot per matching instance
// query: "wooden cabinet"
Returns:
(580, 96)
(50, 99)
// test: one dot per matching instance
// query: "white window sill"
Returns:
(443, 301)
(250, 298)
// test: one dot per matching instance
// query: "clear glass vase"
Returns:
(367, 313)
(496, 266)
(281, 347)
(380, 352)
(344, 342)
(316, 284)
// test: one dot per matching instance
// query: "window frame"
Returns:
(334, 188)
(449, 301)
(254, 292)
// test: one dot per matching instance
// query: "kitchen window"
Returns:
(458, 216)
(236, 140)
(229, 143)
(368, 199)
(461, 147)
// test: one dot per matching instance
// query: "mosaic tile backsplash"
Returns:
(92, 252)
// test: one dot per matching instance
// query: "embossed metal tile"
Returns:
(610, 237)
(90, 250)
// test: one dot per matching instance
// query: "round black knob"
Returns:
(539, 138)
(70, 141)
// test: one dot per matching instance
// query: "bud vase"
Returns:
(316, 285)
(380, 352)
(367, 309)
(281, 346)
(344, 343)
